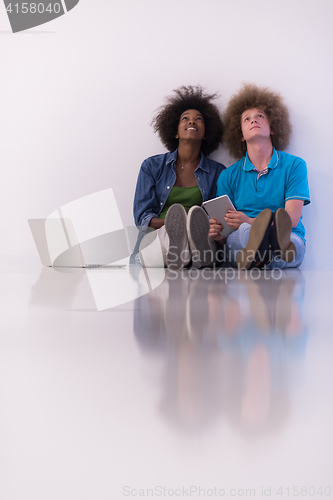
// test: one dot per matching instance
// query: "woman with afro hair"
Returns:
(267, 186)
(172, 186)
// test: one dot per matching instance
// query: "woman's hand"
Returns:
(156, 223)
(234, 219)
(215, 229)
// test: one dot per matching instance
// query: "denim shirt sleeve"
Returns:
(145, 200)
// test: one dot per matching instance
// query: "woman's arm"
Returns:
(156, 223)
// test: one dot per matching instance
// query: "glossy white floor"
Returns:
(215, 381)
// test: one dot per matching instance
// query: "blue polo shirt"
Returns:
(285, 180)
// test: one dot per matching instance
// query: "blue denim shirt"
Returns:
(156, 179)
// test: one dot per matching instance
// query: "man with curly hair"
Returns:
(172, 184)
(267, 186)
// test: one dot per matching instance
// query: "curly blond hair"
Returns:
(250, 96)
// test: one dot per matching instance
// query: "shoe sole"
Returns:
(259, 227)
(283, 230)
(197, 231)
(175, 226)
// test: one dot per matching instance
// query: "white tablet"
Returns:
(217, 209)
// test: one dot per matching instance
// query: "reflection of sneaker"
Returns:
(197, 230)
(280, 236)
(257, 251)
(175, 226)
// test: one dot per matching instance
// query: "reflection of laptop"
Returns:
(58, 246)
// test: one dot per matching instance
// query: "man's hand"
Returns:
(234, 219)
(215, 229)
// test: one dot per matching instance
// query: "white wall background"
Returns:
(77, 96)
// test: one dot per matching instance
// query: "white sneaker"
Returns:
(198, 226)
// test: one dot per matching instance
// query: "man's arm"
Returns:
(294, 209)
(234, 219)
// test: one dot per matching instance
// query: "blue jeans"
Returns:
(238, 240)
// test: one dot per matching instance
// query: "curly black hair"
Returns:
(250, 96)
(167, 117)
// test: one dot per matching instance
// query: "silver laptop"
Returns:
(58, 245)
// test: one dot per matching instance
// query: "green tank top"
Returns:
(186, 196)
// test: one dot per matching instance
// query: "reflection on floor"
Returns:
(118, 382)
(226, 348)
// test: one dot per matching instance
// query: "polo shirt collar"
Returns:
(203, 164)
(273, 163)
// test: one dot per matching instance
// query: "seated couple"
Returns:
(267, 186)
